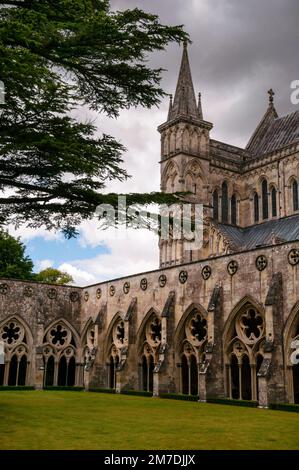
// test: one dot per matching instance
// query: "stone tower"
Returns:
(185, 144)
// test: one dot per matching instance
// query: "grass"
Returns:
(79, 420)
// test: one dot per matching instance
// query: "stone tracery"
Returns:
(15, 339)
(244, 353)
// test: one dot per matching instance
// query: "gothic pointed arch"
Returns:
(190, 338)
(89, 344)
(224, 202)
(148, 347)
(291, 354)
(61, 354)
(116, 341)
(16, 335)
(243, 338)
(169, 176)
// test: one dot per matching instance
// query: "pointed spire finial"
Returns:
(170, 106)
(184, 103)
(271, 96)
(199, 107)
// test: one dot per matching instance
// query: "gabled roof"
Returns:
(265, 124)
(267, 233)
(273, 132)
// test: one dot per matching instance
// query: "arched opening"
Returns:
(49, 371)
(295, 196)
(148, 366)
(14, 335)
(71, 369)
(233, 204)
(224, 203)
(244, 335)
(274, 202)
(259, 361)
(215, 205)
(2, 369)
(22, 370)
(296, 382)
(246, 378)
(13, 371)
(144, 373)
(111, 373)
(194, 376)
(59, 350)
(256, 207)
(151, 367)
(185, 375)
(62, 372)
(235, 381)
(265, 199)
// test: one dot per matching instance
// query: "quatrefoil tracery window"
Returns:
(153, 331)
(250, 326)
(196, 328)
(59, 336)
(119, 333)
(14, 371)
(12, 333)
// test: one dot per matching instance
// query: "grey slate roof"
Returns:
(274, 133)
(267, 233)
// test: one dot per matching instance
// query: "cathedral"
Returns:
(221, 321)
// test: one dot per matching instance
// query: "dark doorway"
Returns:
(71, 372)
(13, 368)
(49, 379)
(62, 372)
(234, 370)
(194, 376)
(111, 373)
(185, 375)
(246, 378)
(22, 371)
(296, 383)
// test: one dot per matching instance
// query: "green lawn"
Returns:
(79, 420)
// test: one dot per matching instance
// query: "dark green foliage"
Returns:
(140, 393)
(56, 55)
(285, 407)
(102, 390)
(227, 401)
(53, 276)
(7, 388)
(177, 396)
(64, 389)
(14, 264)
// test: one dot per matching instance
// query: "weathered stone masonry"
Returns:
(220, 321)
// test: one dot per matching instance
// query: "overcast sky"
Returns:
(239, 50)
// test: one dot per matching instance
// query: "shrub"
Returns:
(101, 390)
(285, 407)
(229, 401)
(141, 393)
(176, 396)
(64, 389)
(15, 387)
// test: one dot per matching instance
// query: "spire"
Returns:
(170, 107)
(199, 108)
(260, 132)
(184, 100)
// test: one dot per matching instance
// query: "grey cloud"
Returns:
(240, 49)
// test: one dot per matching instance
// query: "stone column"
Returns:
(39, 368)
